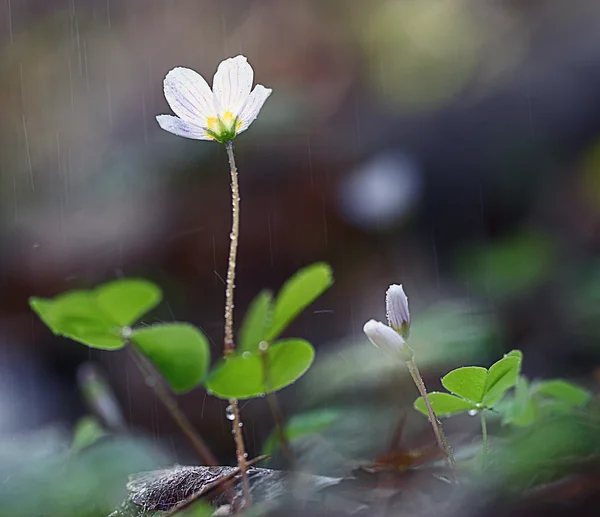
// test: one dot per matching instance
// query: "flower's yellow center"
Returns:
(223, 128)
(212, 123)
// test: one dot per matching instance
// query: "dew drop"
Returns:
(126, 332)
(229, 413)
(473, 412)
(245, 455)
(246, 355)
(263, 345)
(240, 424)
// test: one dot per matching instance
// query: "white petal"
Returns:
(182, 128)
(232, 84)
(189, 95)
(252, 107)
(398, 314)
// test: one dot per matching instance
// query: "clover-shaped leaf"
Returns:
(502, 376)
(297, 294)
(76, 315)
(96, 317)
(468, 383)
(444, 404)
(243, 375)
(179, 351)
(564, 391)
(257, 321)
(476, 387)
(127, 300)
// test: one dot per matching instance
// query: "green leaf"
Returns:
(87, 431)
(297, 294)
(288, 360)
(238, 376)
(256, 322)
(564, 391)
(468, 382)
(127, 300)
(444, 404)
(95, 318)
(77, 316)
(522, 411)
(302, 425)
(502, 376)
(242, 376)
(515, 353)
(179, 351)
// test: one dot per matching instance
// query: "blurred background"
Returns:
(452, 146)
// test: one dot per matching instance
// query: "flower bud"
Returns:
(398, 315)
(388, 339)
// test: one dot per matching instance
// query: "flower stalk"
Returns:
(436, 425)
(229, 343)
(219, 115)
(392, 339)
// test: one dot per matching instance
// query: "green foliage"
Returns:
(179, 351)
(75, 315)
(38, 478)
(125, 301)
(520, 410)
(96, 318)
(300, 426)
(444, 404)
(298, 293)
(555, 447)
(532, 402)
(246, 375)
(468, 383)
(252, 372)
(257, 321)
(502, 376)
(87, 432)
(474, 387)
(563, 391)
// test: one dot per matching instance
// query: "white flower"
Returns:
(387, 338)
(219, 114)
(396, 304)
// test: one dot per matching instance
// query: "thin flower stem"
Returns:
(233, 246)
(484, 435)
(229, 343)
(155, 382)
(435, 423)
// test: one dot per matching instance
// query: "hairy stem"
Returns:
(435, 423)
(155, 382)
(229, 343)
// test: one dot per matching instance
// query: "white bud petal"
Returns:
(385, 337)
(396, 303)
